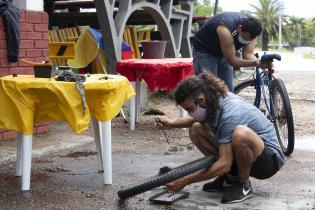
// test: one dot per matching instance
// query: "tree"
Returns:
(206, 2)
(202, 10)
(307, 37)
(205, 8)
(267, 11)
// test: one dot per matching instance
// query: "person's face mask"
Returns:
(200, 113)
(242, 40)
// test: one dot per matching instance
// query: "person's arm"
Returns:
(220, 167)
(248, 54)
(248, 50)
(167, 123)
(228, 49)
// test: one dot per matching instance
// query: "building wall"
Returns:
(31, 5)
(33, 46)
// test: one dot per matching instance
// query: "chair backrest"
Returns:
(61, 44)
(133, 37)
(144, 35)
(130, 37)
(61, 50)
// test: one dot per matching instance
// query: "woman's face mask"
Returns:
(200, 113)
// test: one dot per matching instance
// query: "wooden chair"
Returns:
(144, 35)
(61, 44)
(60, 52)
(130, 37)
(134, 37)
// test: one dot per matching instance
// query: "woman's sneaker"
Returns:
(240, 191)
(221, 183)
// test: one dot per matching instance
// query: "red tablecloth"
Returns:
(162, 74)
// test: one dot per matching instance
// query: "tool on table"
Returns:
(80, 88)
(69, 76)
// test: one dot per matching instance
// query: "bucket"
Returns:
(153, 49)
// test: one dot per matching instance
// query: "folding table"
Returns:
(26, 100)
(163, 74)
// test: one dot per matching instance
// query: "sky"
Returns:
(299, 8)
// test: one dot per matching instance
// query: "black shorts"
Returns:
(264, 167)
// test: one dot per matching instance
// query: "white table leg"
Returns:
(138, 105)
(19, 155)
(107, 151)
(182, 113)
(132, 110)
(98, 142)
(26, 161)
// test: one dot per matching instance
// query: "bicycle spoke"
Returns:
(280, 118)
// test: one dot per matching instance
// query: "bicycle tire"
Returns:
(287, 145)
(287, 148)
(163, 179)
(247, 84)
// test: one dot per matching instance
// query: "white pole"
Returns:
(26, 161)
(132, 110)
(281, 12)
(98, 142)
(19, 155)
(138, 105)
(107, 151)
(280, 32)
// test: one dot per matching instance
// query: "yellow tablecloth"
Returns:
(25, 100)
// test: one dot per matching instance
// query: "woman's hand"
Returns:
(164, 123)
(176, 186)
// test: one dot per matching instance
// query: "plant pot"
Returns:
(42, 71)
(153, 49)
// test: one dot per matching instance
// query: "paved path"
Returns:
(292, 188)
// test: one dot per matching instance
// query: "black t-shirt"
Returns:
(206, 40)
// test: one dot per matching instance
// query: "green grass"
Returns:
(281, 50)
(309, 56)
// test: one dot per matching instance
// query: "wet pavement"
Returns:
(67, 177)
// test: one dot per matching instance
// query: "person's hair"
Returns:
(252, 26)
(207, 84)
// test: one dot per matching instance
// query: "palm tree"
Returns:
(296, 25)
(267, 11)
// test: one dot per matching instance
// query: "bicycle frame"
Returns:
(263, 77)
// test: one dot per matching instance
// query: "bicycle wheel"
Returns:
(174, 174)
(247, 90)
(283, 118)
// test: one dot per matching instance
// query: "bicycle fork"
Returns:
(264, 87)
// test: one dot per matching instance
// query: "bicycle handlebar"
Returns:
(269, 57)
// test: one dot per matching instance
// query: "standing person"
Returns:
(236, 132)
(216, 42)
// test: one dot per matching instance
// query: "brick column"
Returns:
(33, 47)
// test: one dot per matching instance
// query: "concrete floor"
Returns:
(67, 178)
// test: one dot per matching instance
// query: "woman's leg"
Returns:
(203, 138)
(247, 146)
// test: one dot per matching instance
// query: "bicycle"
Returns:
(270, 95)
